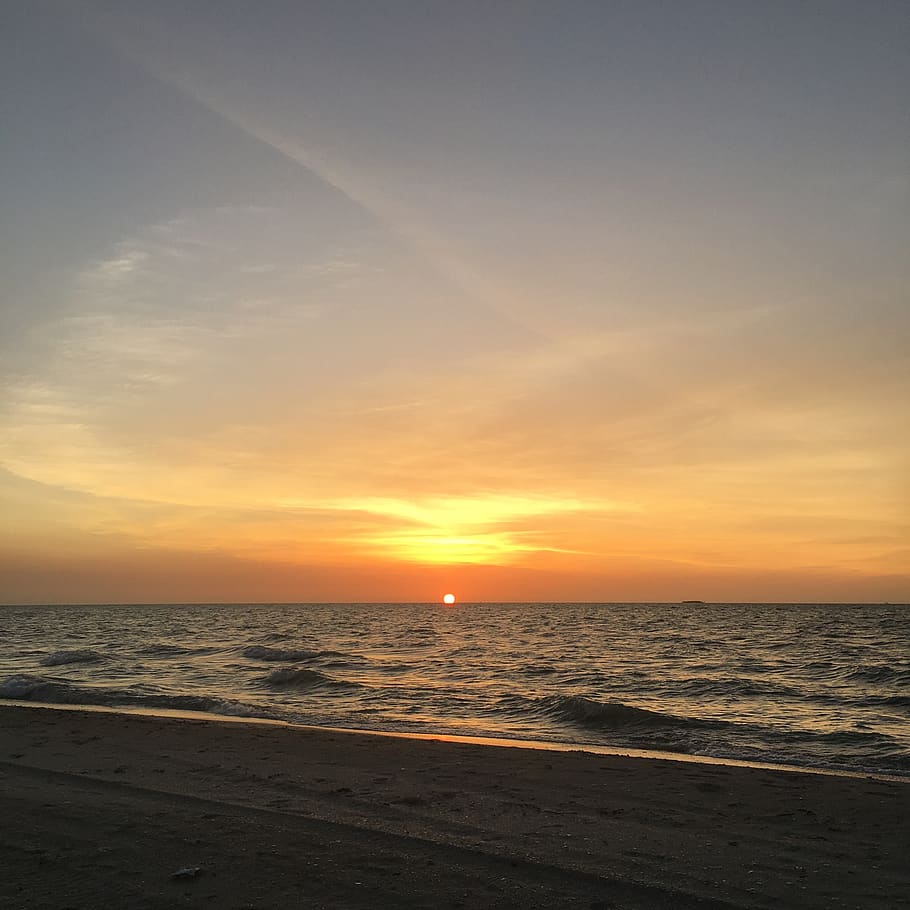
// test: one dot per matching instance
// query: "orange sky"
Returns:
(413, 308)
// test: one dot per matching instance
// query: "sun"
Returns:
(448, 598)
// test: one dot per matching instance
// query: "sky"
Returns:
(524, 301)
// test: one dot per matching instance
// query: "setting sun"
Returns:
(448, 598)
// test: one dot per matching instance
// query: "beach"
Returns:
(111, 810)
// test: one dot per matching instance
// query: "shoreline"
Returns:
(103, 807)
(490, 741)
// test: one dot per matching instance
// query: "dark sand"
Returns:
(99, 810)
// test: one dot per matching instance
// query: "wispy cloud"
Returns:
(136, 324)
(488, 529)
(137, 42)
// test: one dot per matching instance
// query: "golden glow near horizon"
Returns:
(448, 599)
(358, 331)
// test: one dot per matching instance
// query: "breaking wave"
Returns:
(59, 658)
(24, 687)
(304, 678)
(588, 712)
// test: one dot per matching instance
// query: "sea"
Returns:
(823, 686)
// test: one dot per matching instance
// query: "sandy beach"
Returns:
(101, 810)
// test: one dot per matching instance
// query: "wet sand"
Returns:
(100, 810)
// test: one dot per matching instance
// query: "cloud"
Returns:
(460, 529)
(146, 320)
(143, 43)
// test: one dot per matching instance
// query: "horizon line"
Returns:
(299, 603)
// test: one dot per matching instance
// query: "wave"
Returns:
(24, 687)
(292, 655)
(626, 725)
(276, 636)
(304, 678)
(882, 673)
(260, 652)
(611, 715)
(742, 687)
(884, 701)
(613, 723)
(539, 670)
(161, 649)
(892, 762)
(59, 658)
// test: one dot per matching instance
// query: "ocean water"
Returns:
(824, 686)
